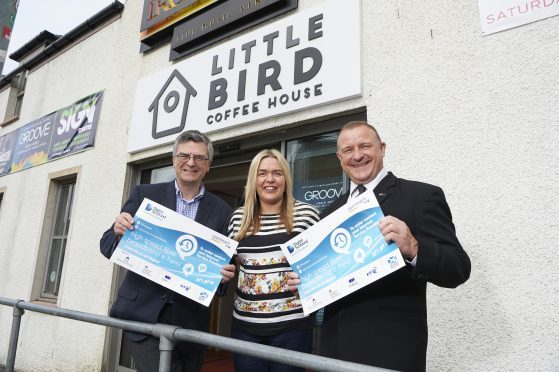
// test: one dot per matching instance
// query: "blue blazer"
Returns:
(141, 299)
(385, 323)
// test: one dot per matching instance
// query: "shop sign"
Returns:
(64, 132)
(499, 15)
(223, 20)
(159, 15)
(308, 59)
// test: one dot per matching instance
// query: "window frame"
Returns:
(15, 99)
(67, 210)
(2, 192)
(55, 182)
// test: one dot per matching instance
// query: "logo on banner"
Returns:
(170, 106)
(147, 270)
(359, 255)
(393, 261)
(125, 261)
(340, 240)
(186, 246)
(297, 245)
(333, 293)
(188, 269)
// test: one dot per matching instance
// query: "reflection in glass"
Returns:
(61, 215)
(164, 174)
(52, 272)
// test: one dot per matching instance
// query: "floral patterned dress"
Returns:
(264, 305)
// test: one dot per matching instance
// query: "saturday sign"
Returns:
(309, 59)
(499, 15)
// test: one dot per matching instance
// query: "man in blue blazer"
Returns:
(385, 323)
(141, 299)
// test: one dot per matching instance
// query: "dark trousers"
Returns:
(186, 357)
(146, 357)
(299, 340)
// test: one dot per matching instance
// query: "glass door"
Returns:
(317, 176)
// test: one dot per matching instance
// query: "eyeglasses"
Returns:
(184, 158)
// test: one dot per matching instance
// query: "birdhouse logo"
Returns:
(170, 106)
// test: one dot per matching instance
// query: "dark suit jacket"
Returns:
(385, 323)
(141, 299)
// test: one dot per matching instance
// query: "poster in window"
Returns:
(319, 192)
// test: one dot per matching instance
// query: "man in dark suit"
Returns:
(143, 300)
(385, 323)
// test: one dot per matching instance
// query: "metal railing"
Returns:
(169, 334)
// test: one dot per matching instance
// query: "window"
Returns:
(56, 226)
(15, 100)
(317, 176)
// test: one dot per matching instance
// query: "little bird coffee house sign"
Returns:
(308, 59)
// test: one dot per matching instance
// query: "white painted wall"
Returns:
(478, 116)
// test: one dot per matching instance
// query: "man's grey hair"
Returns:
(194, 136)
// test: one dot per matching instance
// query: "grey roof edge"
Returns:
(44, 37)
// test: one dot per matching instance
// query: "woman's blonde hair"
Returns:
(250, 222)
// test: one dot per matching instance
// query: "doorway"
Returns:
(317, 179)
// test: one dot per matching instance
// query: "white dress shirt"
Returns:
(370, 186)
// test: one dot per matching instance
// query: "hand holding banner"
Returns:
(335, 259)
(175, 252)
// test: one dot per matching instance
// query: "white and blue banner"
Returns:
(174, 251)
(342, 253)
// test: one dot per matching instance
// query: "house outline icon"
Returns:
(170, 107)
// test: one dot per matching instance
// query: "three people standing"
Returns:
(383, 324)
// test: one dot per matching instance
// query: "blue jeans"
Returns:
(299, 340)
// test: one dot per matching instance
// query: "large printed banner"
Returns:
(175, 252)
(342, 253)
(499, 15)
(7, 146)
(58, 134)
